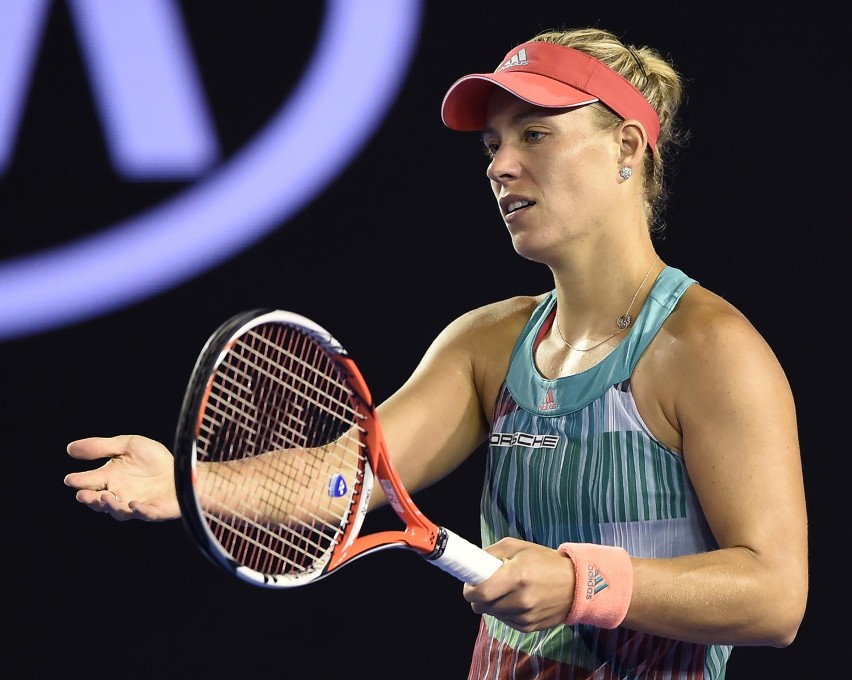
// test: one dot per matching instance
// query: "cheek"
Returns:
(575, 178)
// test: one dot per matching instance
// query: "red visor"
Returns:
(551, 76)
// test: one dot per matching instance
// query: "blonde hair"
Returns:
(657, 79)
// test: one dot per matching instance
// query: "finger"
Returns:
(149, 512)
(106, 502)
(94, 480)
(92, 448)
(96, 496)
(111, 504)
(489, 593)
(524, 626)
(91, 498)
(503, 609)
(110, 498)
(506, 548)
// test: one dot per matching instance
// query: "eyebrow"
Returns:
(523, 116)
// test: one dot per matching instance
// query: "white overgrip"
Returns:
(466, 561)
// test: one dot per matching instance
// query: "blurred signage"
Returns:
(157, 126)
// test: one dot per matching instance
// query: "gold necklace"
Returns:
(623, 322)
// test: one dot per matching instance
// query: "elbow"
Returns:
(788, 629)
(787, 619)
(783, 636)
(784, 593)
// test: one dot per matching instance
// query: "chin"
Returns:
(528, 250)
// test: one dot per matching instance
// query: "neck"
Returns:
(596, 304)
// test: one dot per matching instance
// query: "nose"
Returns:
(503, 166)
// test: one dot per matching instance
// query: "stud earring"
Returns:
(625, 173)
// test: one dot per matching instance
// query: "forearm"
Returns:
(727, 596)
(279, 487)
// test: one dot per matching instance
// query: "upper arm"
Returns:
(433, 422)
(440, 415)
(711, 387)
(735, 410)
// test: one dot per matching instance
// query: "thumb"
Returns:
(92, 448)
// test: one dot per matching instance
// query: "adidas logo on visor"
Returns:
(519, 59)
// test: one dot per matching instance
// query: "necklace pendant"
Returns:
(623, 321)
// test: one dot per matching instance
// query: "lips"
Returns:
(512, 204)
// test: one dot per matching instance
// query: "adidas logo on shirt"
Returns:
(549, 402)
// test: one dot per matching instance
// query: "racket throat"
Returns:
(440, 546)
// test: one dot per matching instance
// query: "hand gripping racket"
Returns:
(277, 447)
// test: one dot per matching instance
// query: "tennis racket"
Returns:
(277, 448)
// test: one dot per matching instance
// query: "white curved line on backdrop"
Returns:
(363, 52)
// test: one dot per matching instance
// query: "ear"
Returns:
(633, 142)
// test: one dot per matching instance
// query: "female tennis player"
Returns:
(644, 485)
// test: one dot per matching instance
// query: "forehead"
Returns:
(505, 110)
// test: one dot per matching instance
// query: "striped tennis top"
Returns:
(570, 459)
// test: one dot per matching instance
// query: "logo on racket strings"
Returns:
(337, 486)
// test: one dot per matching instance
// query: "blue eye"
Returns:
(534, 135)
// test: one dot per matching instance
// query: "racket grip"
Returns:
(461, 558)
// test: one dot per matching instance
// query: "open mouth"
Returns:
(514, 206)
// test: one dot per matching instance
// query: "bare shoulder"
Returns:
(704, 325)
(497, 321)
(485, 337)
(708, 361)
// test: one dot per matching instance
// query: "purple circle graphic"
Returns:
(363, 52)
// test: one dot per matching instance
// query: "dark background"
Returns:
(403, 241)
